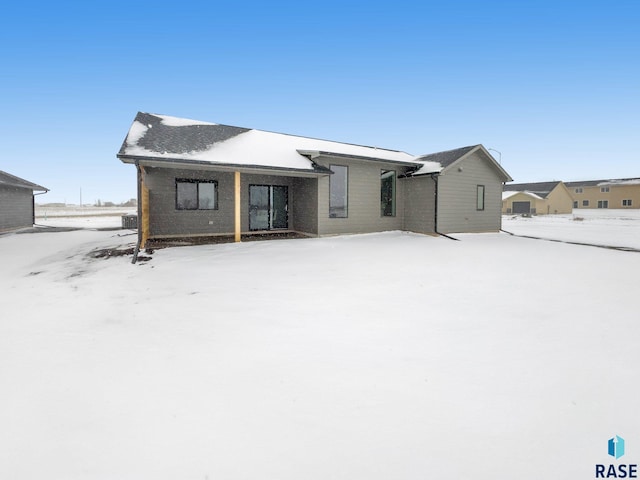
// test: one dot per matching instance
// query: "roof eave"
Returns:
(34, 187)
(313, 154)
(169, 162)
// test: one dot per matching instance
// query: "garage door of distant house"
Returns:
(521, 207)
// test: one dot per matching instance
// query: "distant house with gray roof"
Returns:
(622, 193)
(541, 198)
(17, 202)
(204, 179)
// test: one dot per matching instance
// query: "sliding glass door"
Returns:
(268, 207)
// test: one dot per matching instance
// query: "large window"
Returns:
(388, 193)
(196, 194)
(626, 203)
(480, 197)
(338, 190)
(603, 203)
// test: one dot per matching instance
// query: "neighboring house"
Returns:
(16, 202)
(615, 193)
(539, 198)
(202, 179)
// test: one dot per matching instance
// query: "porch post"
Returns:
(237, 207)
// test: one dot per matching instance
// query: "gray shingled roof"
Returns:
(542, 189)
(181, 138)
(160, 138)
(448, 157)
(13, 181)
(440, 162)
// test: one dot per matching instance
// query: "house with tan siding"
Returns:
(541, 198)
(620, 193)
(205, 179)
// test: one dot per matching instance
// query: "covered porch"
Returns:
(195, 204)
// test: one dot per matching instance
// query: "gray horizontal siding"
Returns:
(166, 220)
(457, 197)
(16, 208)
(363, 199)
(419, 205)
(304, 205)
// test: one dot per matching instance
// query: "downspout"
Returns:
(139, 219)
(434, 177)
(33, 205)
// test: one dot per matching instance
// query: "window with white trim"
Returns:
(627, 202)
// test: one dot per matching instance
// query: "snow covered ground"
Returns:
(358, 357)
(620, 228)
(75, 216)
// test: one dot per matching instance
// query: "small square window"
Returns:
(585, 203)
(579, 190)
(604, 189)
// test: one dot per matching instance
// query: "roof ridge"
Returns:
(199, 122)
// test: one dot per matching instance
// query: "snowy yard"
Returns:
(384, 356)
(82, 217)
(619, 228)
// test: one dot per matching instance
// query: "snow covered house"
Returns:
(540, 198)
(612, 193)
(17, 202)
(204, 179)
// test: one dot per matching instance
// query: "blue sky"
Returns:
(553, 85)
